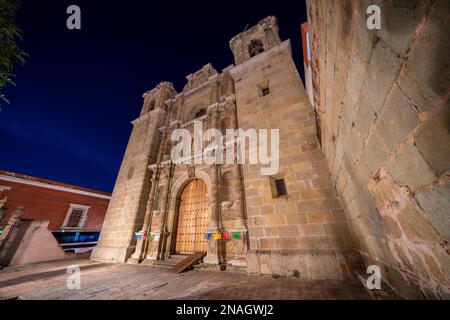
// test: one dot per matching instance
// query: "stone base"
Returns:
(148, 262)
(308, 264)
(211, 258)
(238, 262)
(116, 254)
(133, 261)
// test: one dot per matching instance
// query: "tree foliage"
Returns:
(10, 52)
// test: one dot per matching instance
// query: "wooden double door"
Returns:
(193, 218)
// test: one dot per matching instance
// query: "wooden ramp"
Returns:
(186, 263)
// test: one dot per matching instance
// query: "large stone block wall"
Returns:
(306, 230)
(383, 101)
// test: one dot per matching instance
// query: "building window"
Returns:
(152, 105)
(265, 91)
(76, 216)
(256, 47)
(278, 187)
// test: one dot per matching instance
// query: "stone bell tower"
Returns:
(126, 210)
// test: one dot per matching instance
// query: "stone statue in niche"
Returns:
(191, 171)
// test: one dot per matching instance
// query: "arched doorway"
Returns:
(193, 218)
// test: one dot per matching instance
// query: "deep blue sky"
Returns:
(69, 117)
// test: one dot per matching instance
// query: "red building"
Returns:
(75, 214)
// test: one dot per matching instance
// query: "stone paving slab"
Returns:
(100, 281)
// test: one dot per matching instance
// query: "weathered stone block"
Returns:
(383, 68)
(433, 141)
(426, 75)
(399, 20)
(414, 224)
(268, 243)
(311, 229)
(374, 154)
(435, 201)
(296, 218)
(315, 217)
(365, 117)
(256, 231)
(434, 268)
(288, 231)
(363, 38)
(355, 77)
(392, 227)
(271, 231)
(397, 119)
(275, 219)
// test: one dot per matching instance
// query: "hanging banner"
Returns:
(236, 235)
(156, 237)
(150, 237)
(138, 237)
(217, 236)
(144, 237)
(226, 235)
(208, 236)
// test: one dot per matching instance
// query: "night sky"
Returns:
(70, 112)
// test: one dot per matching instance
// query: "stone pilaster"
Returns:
(212, 256)
(141, 243)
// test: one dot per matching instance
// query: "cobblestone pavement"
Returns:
(125, 281)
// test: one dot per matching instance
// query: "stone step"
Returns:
(178, 256)
(167, 262)
(172, 261)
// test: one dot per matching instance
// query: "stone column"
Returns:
(150, 202)
(145, 247)
(214, 192)
(164, 253)
(214, 214)
(238, 184)
(241, 244)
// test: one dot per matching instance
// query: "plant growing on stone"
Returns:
(10, 53)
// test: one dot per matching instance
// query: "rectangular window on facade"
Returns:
(278, 187)
(76, 216)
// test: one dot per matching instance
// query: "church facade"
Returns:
(291, 222)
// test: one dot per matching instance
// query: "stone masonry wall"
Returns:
(383, 101)
(306, 230)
